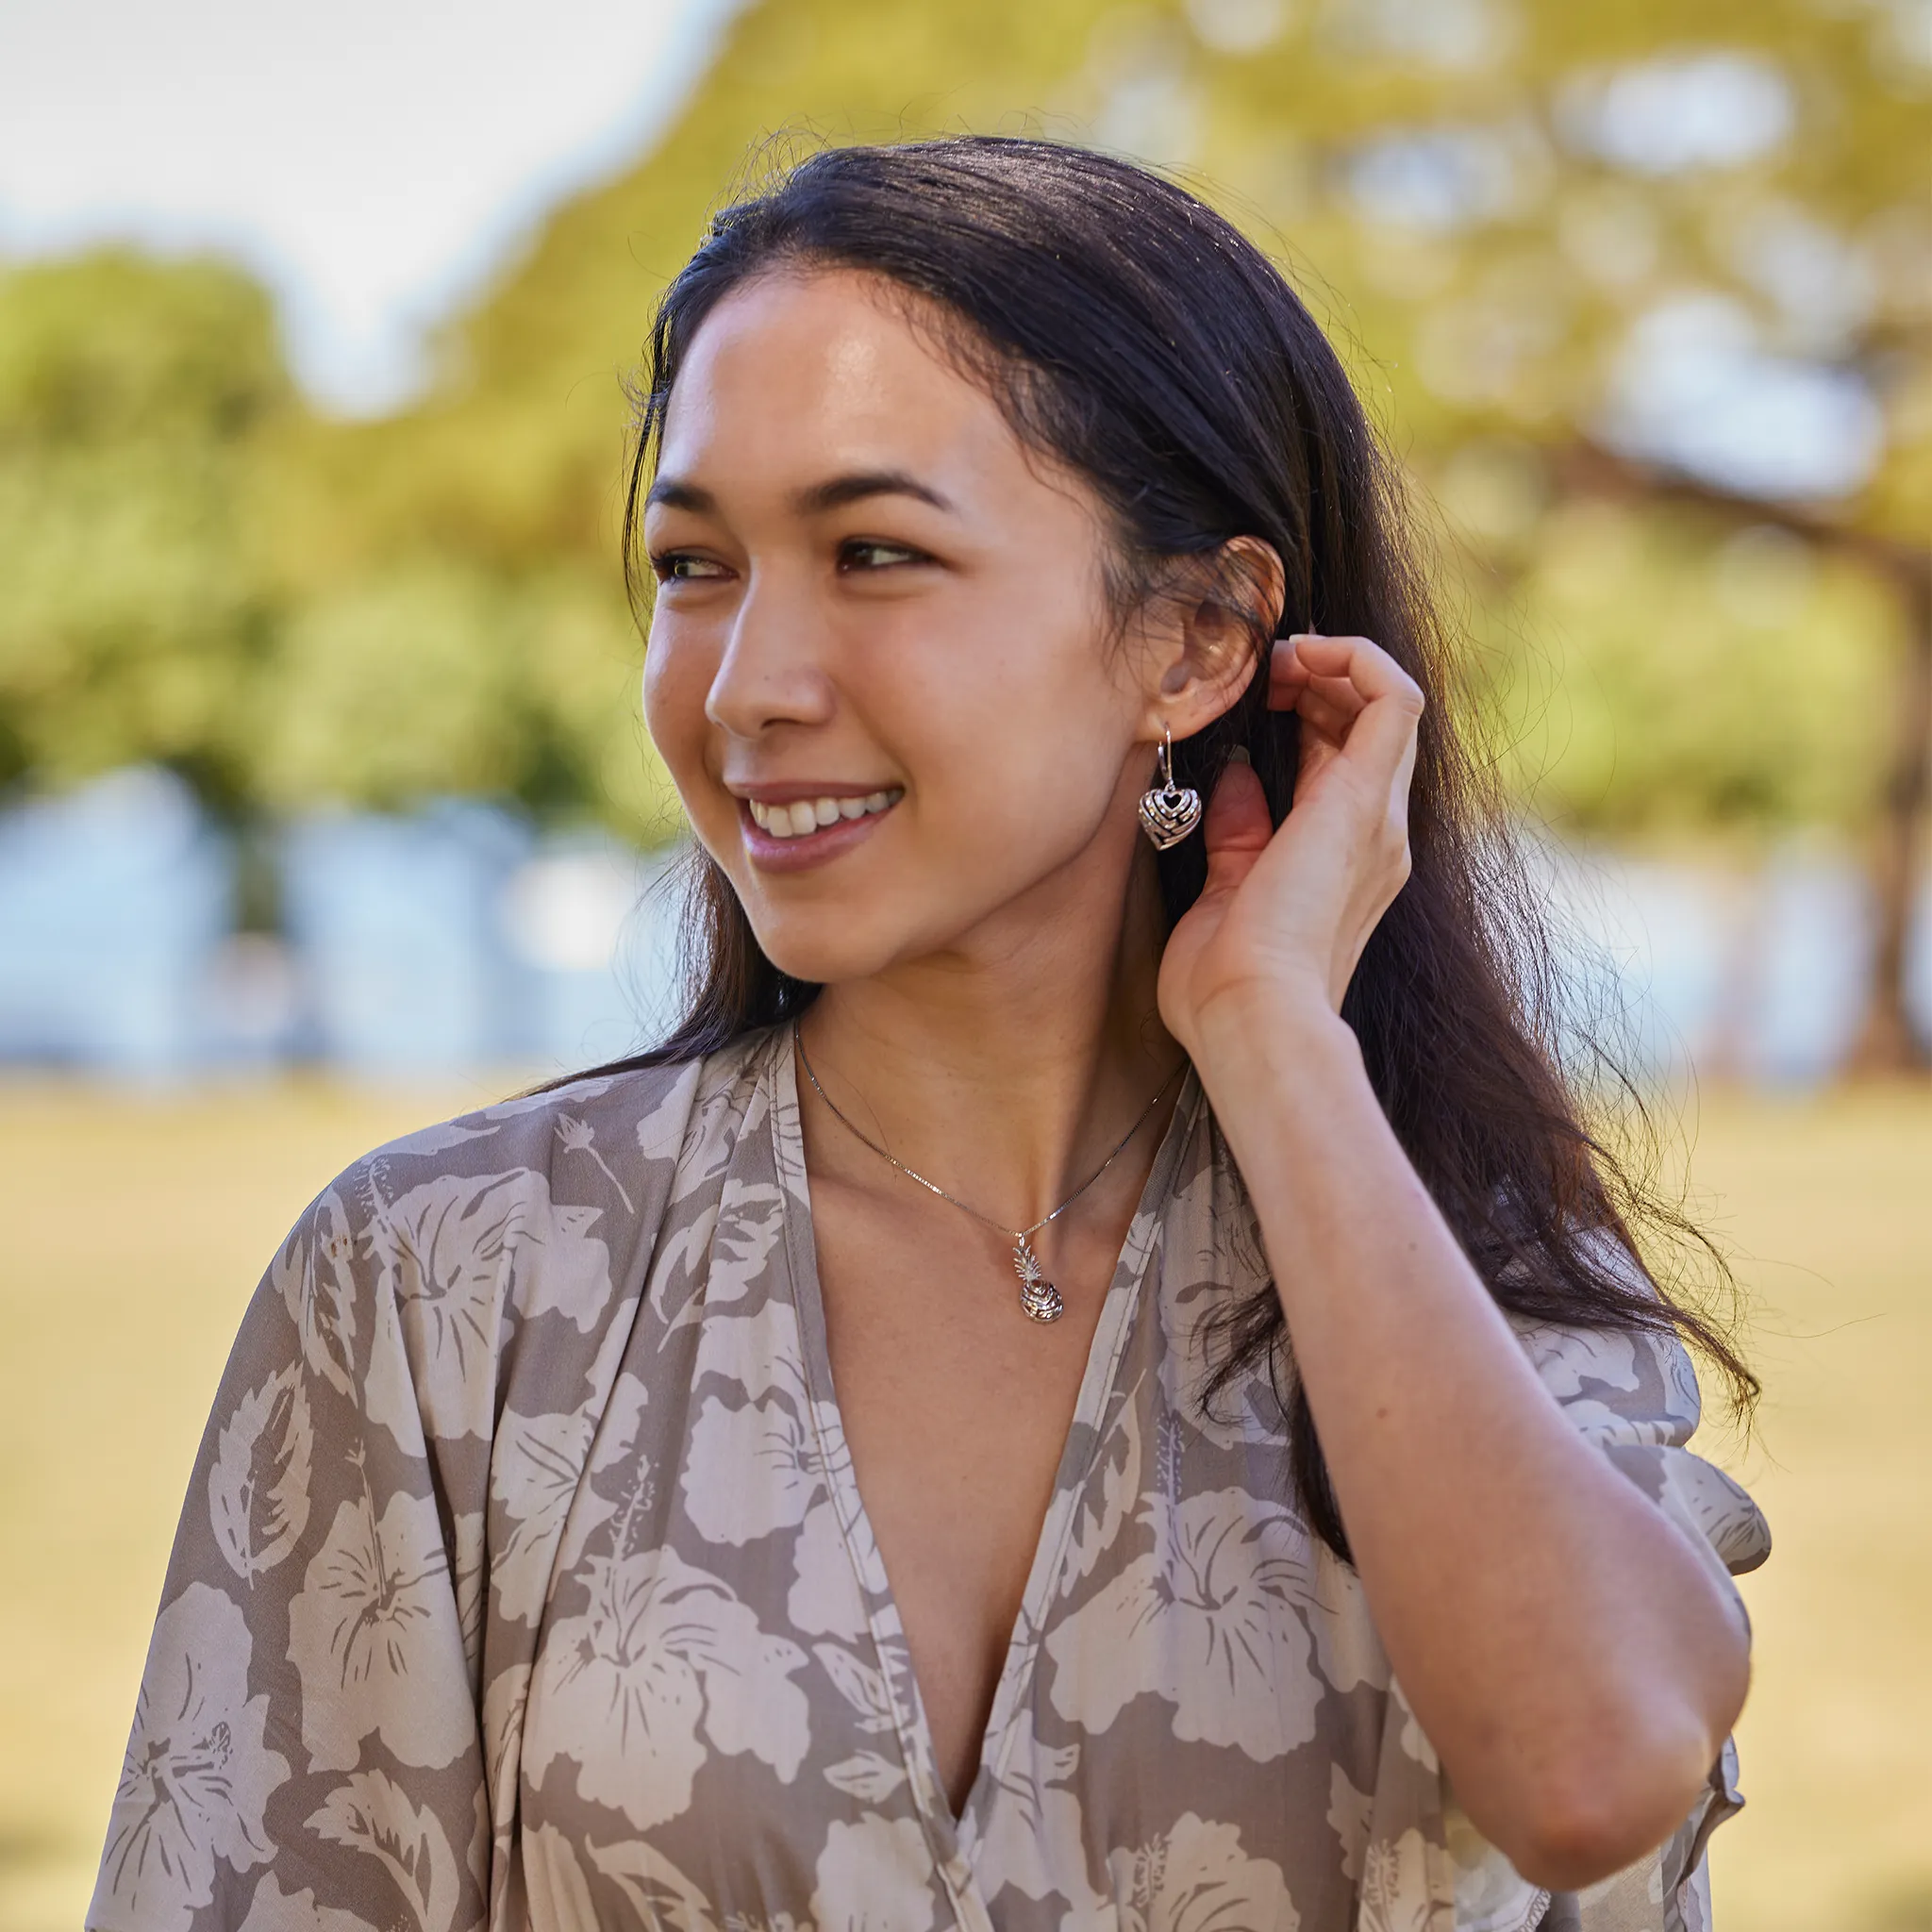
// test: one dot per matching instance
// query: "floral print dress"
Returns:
(523, 1581)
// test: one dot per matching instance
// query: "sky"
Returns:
(372, 159)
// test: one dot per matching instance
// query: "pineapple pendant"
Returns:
(1039, 1300)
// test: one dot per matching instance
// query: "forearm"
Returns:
(1560, 1642)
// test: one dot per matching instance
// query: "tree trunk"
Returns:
(1888, 1041)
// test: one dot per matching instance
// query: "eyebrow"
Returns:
(836, 492)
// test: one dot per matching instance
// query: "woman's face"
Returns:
(881, 668)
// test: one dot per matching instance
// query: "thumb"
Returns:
(1237, 828)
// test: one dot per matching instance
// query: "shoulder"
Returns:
(644, 1108)
(629, 1126)
(429, 1270)
(577, 1178)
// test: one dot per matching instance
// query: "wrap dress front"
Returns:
(523, 1581)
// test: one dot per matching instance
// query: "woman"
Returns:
(973, 1431)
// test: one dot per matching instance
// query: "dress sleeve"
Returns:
(326, 1738)
(306, 1745)
(1635, 1395)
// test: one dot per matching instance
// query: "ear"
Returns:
(1217, 615)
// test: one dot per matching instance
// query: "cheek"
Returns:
(1017, 765)
(1041, 709)
(678, 681)
(678, 673)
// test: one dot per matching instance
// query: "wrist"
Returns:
(1266, 1023)
(1284, 1081)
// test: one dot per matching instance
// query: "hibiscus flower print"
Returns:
(1566, 1358)
(873, 1876)
(534, 1471)
(719, 1257)
(272, 1909)
(257, 1492)
(783, 1453)
(1105, 1499)
(865, 1774)
(372, 1814)
(376, 1638)
(1194, 1878)
(1395, 1888)
(657, 1891)
(664, 1651)
(752, 1470)
(1033, 1812)
(197, 1775)
(1208, 1620)
(317, 1287)
(452, 1253)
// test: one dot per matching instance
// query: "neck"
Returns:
(1006, 1069)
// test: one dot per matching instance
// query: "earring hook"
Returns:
(1168, 811)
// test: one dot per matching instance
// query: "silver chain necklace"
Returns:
(1039, 1300)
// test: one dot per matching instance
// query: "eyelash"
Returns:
(665, 564)
(901, 553)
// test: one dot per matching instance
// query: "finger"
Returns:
(1285, 690)
(1364, 663)
(1237, 828)
(1326, 720)
(1381, 740)
(1326, 702)
(1338, 693)
(1290, 674)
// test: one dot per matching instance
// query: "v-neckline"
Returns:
(952, 1838)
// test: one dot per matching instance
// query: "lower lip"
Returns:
(811, 848)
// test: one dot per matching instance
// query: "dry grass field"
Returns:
(136, 1229)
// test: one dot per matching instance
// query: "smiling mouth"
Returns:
(804, 816)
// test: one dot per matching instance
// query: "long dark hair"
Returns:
(1134, 335)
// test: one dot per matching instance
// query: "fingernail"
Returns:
(1239, 755)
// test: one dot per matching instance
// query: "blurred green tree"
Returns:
(1643, 294)
(135, 611)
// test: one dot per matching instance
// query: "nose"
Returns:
(771, 672)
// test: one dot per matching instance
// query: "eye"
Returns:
(871, 553)
(684, 566)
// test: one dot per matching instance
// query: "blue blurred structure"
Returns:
(1813, 956)
(113, 901)
(594, 927)
(455, 938)
(392, 922)
(447, 939)
(461, 936)
(1754, 975)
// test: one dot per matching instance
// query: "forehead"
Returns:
(828, 370)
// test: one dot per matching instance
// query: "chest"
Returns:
(955, 1407)
(734, 1704)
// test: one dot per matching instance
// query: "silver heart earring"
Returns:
(1168, 811)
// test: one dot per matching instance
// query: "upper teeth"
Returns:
(807, 814)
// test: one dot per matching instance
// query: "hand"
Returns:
(1285, 914)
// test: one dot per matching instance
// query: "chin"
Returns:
(826, 952)
(870, 911)
(858, 935)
